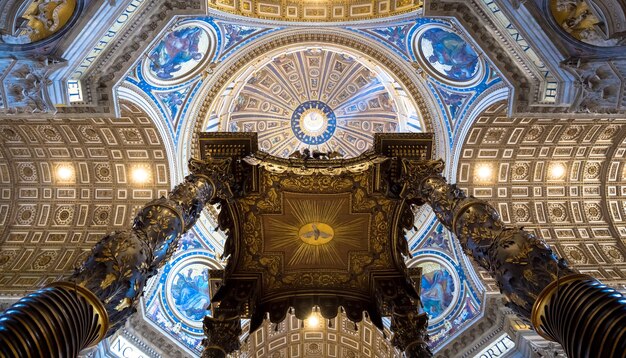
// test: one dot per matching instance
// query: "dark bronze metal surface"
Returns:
(586, 317)
(318, 231)
(308, 232)
(107, 286)
(57, 321)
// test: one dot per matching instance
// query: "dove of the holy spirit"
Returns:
(316, 233)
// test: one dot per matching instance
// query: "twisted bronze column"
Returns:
(585, 317)
(67, 317)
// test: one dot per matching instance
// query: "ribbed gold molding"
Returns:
(92, 299)
(539, 308)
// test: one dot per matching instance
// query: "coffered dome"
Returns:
(316, 98)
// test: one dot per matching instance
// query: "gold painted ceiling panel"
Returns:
(316, 11)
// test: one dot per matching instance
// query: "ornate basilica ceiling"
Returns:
(318, 11)
(267, 66)
(325, 92)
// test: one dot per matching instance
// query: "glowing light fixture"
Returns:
(65, 172)
(556, 171)
(313, 320)
(484, 172)
(140, 175)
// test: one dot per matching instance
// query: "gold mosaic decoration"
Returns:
(316, 11)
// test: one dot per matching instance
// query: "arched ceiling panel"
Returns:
(559, 178)
(314, 98)
(65, 183)
(316, 11)
(337, 337)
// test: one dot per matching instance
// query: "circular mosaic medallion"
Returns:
(438, 289)
(448, 55)
(313, 122)
(190, 291)
(180, 54)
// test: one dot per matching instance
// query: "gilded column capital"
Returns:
(222, 336)
(415, 172)
(218, 171)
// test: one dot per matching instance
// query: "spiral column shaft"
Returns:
(587, 318)
(59, 320)
(65, 318)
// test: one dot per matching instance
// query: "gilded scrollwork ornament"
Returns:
(222, 336)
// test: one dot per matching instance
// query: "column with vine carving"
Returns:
(66, 317)
(586, 317)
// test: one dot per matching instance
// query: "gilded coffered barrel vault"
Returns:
(111, 279)
(65, 183)
(318, 11)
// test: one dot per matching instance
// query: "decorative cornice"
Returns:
(474, 338)
(113, 64)
(318, 11)
(482, 30)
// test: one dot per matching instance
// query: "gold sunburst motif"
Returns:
(319, 230)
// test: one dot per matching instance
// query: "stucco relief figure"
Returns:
(577, 18)
(42, 18)
(173, 54)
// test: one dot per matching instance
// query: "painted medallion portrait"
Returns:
(179, 52)
(449, 54)
(437, 289)
(190, 291)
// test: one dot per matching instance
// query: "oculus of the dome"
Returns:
(325, 98)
